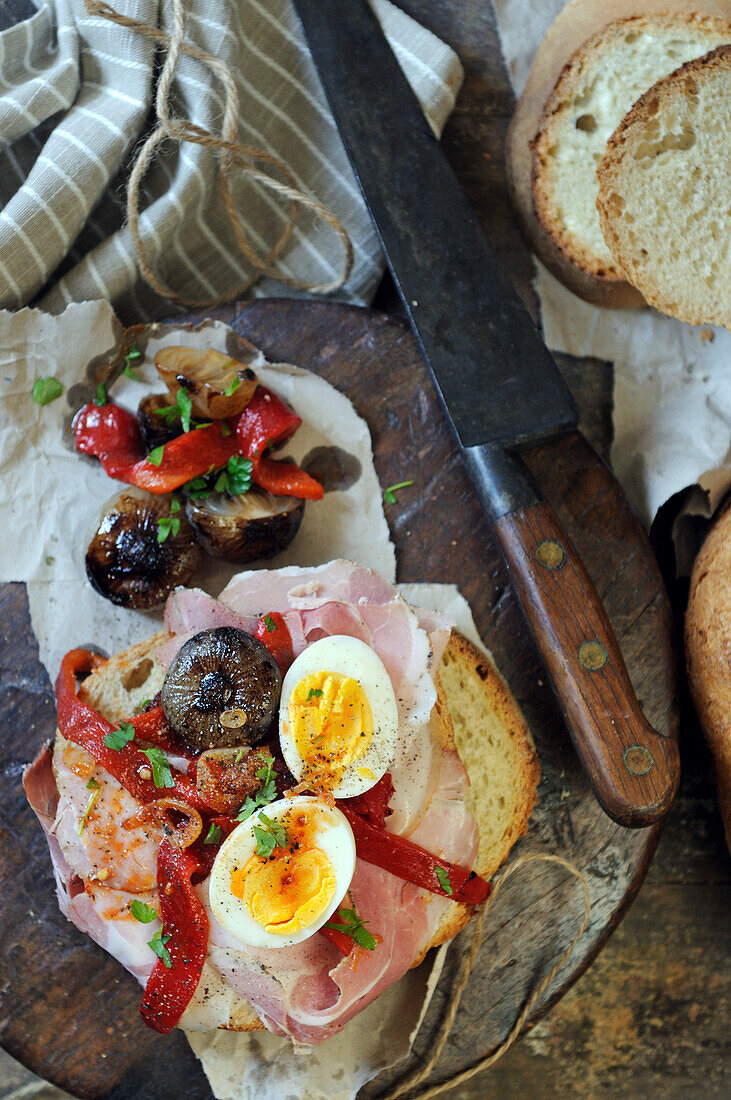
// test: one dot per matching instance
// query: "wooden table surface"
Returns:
(650, 1016)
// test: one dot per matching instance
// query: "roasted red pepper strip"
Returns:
(82, 724)
(112, 434)
(412, 863)
(267, 419)
(373, 803)
(272, 631)
(153, 727)
(169, 990)
(344, 944)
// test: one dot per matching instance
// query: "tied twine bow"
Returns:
(253, 163)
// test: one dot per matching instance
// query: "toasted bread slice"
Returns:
(664, 193)
(474, 712)
(708, 651)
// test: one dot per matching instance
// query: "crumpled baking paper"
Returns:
(51, 498)
(672, 381)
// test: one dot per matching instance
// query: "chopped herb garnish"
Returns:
(182, 408)
(266, 793)
(239, 756)
(314, 693)
(94, 787)
(133, 353)
(46, 390)
(389, 494)
(155, 455)
(353, 926)
(175, 505)
(213, 836)
(157, 944)
(50, 559)
(203, 424)
(231, 389)
(235, 477)
(198, 488)
(269, 835)
(101, 394)
(225, 430)
(444, 882)
(118, 738)
(141, 912)
(269, 624)
(161, 773)
(168, 525)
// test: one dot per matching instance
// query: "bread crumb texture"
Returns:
(596, 89)
(665, 192)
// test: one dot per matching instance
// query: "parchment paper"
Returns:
(672, 382)
(51, 496)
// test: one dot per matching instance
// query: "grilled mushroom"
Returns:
(221, 689)
(127, 562)
(157, 430)
(219, 386)
(245, 528)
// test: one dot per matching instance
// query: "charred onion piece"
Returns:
(183, 827)
(157, 430)
(127, 564)
(221, 689)
(219, 386)
(245, 528)
(226, 777)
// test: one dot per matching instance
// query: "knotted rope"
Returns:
(253, 163)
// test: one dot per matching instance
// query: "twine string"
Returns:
(414, 1079)
(264, 169)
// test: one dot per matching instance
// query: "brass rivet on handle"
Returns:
(638, 760)
(550, 554)
(593, 656)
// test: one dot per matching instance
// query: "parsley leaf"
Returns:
(46, 390)
(389, 495)
(94, 787)
(314, 693)
(155, 455)
(353, 926)
(265, 794)
(118, 738)
(168, 525)
(198, 488)
(141, 912)
(133, 353)
(101, 394)
(234, 385)
(157, 944)
(270, 835)
(161, 773)
(225, 430)
(213, 836)
(182, 408)
(235, 477)
(444, 882)
(269, 624)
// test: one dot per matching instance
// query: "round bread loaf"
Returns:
(708, 651)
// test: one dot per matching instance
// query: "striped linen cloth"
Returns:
(76, 95)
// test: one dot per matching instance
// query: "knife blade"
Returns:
(498, 386)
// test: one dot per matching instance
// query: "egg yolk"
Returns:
(286, 893)
(330, 720)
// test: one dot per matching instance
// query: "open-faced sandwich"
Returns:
(272, 809)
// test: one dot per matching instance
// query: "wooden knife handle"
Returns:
(634, 770)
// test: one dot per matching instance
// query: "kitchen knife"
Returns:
(499, 387)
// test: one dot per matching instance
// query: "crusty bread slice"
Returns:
(665, 191)
(595, 90)
(475, 713)
(708, 651)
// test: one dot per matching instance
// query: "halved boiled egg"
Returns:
(338, 718)
(285, 894)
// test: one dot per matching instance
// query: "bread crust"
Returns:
(104, 691)
(630, 131)
(708, 651)
(579, 23)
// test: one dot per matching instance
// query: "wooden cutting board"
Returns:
(70, 1013)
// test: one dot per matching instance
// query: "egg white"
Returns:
(348, 657)
(333, 835)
